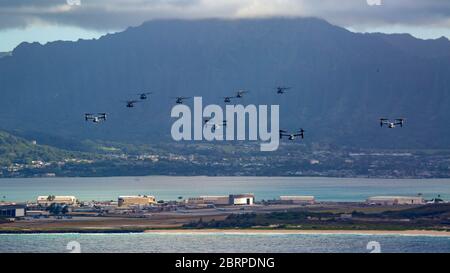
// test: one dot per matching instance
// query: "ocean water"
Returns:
(170, 188)
(220, 243)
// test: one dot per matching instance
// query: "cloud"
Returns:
(119, 14)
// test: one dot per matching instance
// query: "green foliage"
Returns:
(434, 210)
(422, 217)
(16, 150)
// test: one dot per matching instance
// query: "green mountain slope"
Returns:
(21, 151)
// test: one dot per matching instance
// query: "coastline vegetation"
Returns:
(431, 217)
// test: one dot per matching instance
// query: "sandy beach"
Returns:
(311, 232)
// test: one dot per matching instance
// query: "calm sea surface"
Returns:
(169, 188)
(209, 242)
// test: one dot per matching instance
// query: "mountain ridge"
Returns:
(342, 81)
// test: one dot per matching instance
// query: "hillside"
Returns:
(342, 81)
(20, 151)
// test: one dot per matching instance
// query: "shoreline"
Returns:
(432, 233)
(232, 176)
(307, 232)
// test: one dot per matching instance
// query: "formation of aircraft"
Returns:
(141, 97)
(97, 118)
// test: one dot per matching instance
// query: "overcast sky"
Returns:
(49, 20)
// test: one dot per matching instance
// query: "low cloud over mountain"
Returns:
(119, 14)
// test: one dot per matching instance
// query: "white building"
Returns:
(395, 200)
(211, 199)
(241, 199)
(136, 200)
(307, 200)
(51, 199)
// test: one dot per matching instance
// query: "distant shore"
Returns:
(434, 233)
(307, 232)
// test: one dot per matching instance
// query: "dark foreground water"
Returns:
(213, 242)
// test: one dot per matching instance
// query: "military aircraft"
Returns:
(227, 99)
(392, 124)
(292, 136)
(95, 118)
(240, 93)
(180, 100)
(281, 90)
(144, 96)
(130, 103)
(215, 125)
